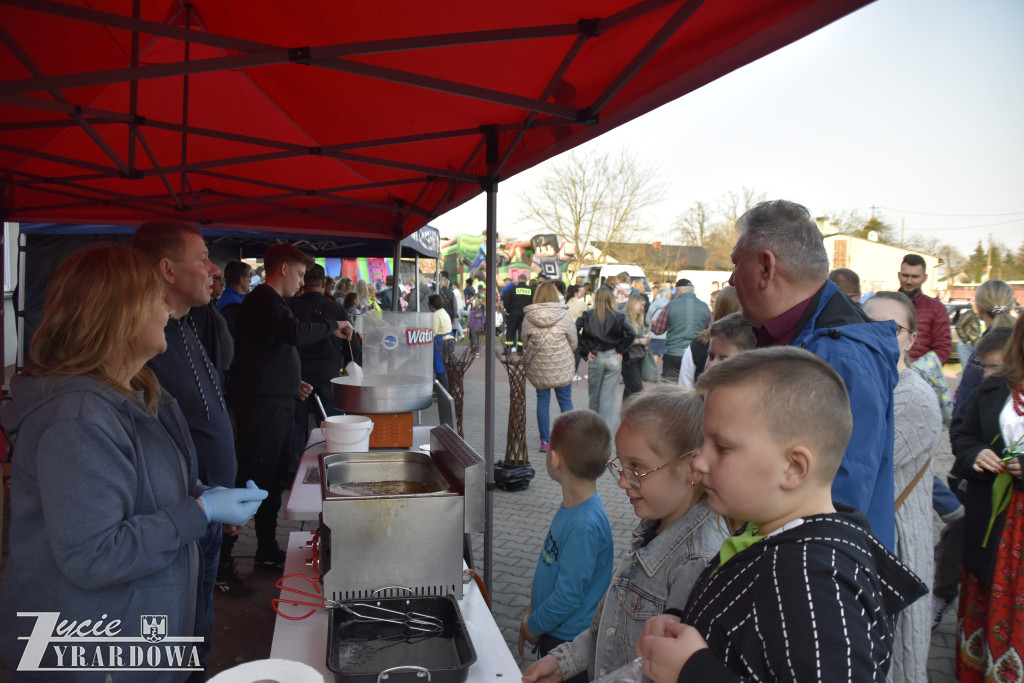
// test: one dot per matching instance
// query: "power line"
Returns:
(951, 215)
(971, 227)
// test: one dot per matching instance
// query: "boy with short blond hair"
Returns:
(805, 591)
(729, 335)
(575, 564)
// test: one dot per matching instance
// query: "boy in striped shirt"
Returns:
(804, 592)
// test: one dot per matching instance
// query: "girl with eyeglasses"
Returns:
(678, 534)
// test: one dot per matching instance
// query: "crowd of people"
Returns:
(781, 464)
(839, 521)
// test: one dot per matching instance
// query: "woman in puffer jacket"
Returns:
(549, 332)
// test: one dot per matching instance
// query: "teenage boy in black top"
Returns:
(265, 381)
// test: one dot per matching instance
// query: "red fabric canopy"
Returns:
(343, 118)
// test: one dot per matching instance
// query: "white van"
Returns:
(705, 281)
(593, 275)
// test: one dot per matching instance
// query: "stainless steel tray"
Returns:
(360, 652)
(380, 474)
(394, 394)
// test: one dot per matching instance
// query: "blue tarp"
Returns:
(252, 243)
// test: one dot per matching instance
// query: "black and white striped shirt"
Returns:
(816, 602)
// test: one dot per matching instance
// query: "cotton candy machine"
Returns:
(397, 518)
(398, 376)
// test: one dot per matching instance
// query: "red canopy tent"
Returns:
(353, 119)
(332, 117)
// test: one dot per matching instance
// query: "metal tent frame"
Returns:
(325, 118)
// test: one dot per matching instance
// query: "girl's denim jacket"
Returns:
(658, 573)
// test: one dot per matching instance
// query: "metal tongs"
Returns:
(416, 624)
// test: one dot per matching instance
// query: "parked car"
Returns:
(964, 327)
(593, 274)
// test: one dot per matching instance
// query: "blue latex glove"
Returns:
(232, 506)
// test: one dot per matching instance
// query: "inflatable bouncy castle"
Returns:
(370, 269)
(465, 255)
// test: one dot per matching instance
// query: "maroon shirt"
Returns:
(932, 328)
(782, 329)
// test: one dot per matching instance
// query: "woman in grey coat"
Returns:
(918, 424)
(106, 507)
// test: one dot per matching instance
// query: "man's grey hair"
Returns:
(786, 229)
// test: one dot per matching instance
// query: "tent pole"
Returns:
(491, 189)
(3, 323)
(20, 307)
(415, 291)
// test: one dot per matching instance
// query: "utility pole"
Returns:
(949, 272)
(988, 270)
(903, 229)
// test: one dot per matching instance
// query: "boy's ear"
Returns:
(799, 463)
(554, 458)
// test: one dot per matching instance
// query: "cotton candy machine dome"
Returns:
(383, 394)
(398, 366)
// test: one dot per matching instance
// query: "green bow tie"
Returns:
(739, 543)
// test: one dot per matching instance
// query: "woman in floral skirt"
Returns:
(988, 442)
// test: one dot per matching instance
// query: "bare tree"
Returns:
(732, 205)
(694, 226)
(715, 229)
(719, 248)
(851, 222)
(592, 199)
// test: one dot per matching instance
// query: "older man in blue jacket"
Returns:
(780, 273)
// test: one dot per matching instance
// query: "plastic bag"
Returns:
(649, 369)
(630, 673)
(512, 477)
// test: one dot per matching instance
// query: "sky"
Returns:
(913, 107)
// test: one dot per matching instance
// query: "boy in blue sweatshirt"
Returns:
(575, 564)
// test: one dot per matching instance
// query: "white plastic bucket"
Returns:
(347, 433)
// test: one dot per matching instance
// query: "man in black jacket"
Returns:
(387, 294)
(447, 295)
(265, 381)
(320, 361)
(236, 277)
